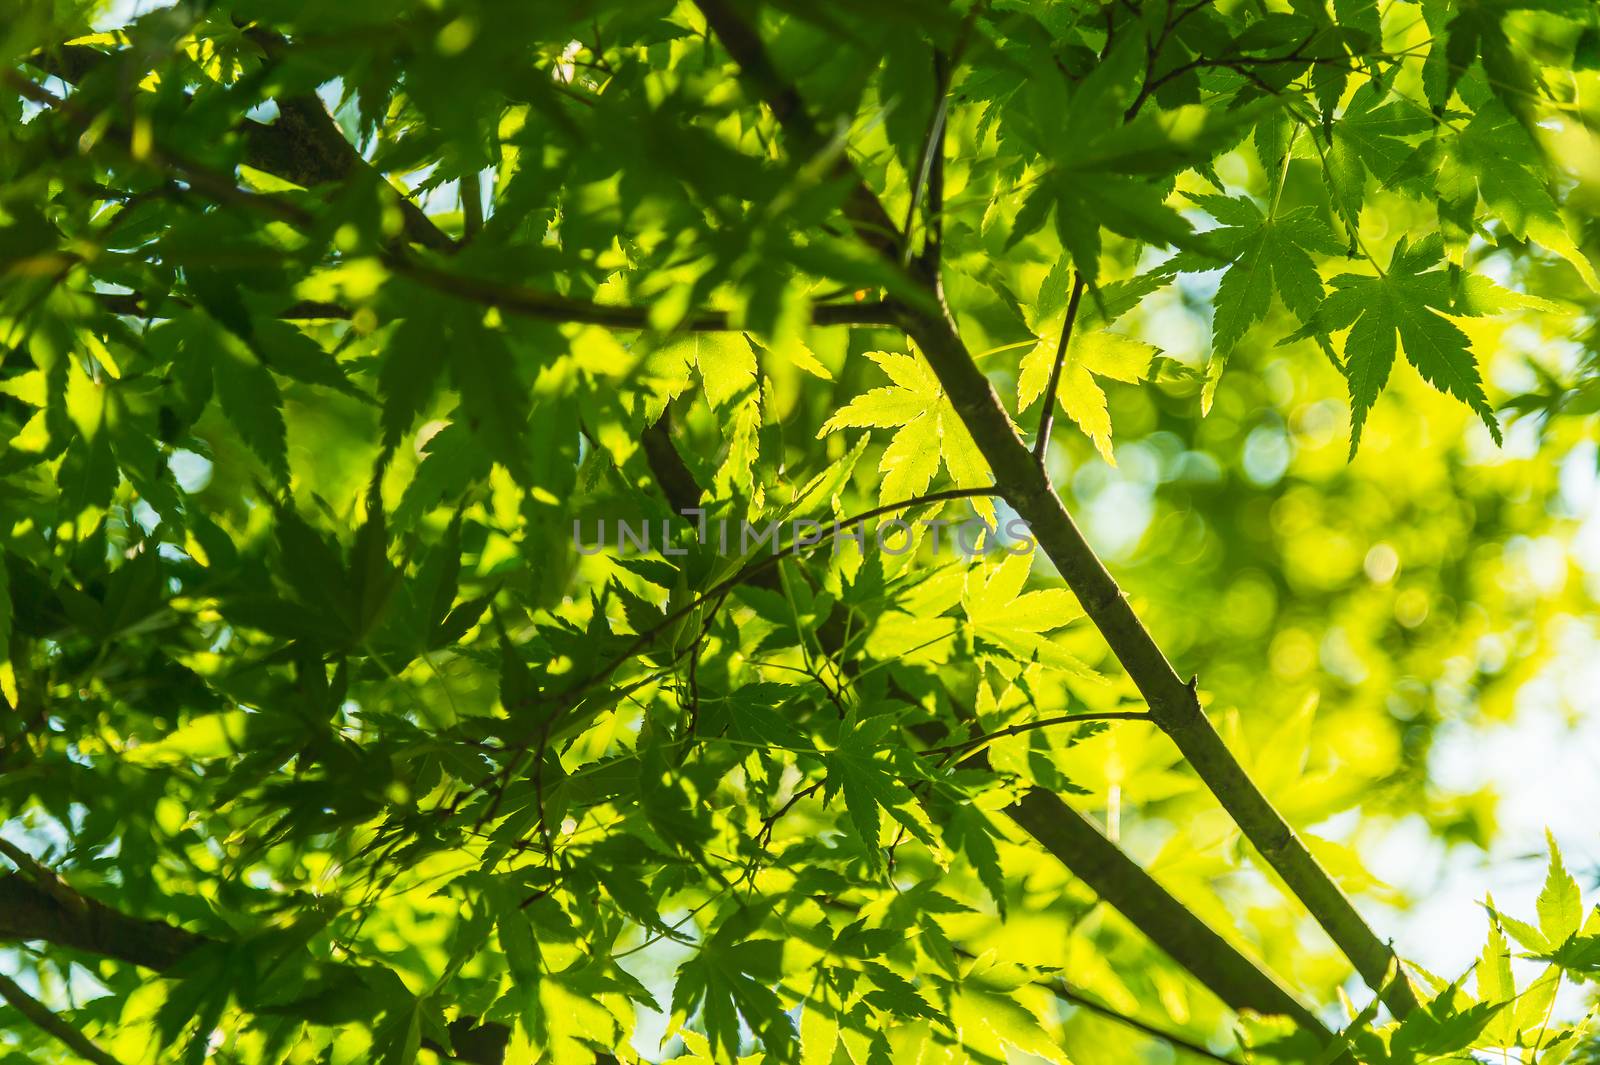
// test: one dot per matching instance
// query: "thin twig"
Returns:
(932, 148)
(694, 665)
(1073, 997)
(833, 696)
(1029, 726)
(763, 838)
(1047, 420)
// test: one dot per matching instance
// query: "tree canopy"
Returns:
(823, 532)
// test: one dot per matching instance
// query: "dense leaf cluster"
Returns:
(328, 328)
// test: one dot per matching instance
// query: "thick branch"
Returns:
(666, 464)
(28, 912)
(1132, 892)
(1173, 703)
(523, 302)
(1024, 485)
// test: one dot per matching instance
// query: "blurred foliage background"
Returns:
(302, 661)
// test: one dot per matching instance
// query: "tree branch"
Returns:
(471, 189)
(1173, 704)
(45, 878)
(306, 125)
(41, 1017)
(677, 481)
(932, 153)
(531, 303)
(1116, 878)
(1132, 892)
(523, 302)
(28, 912)
(137, 305)
(867, 216)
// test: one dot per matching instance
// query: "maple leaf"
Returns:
(990, 1016)
(1017, 622)
(1410, 300)
(1493, 157)
(967, 831)
(731, 978)
(1142, 152)
(1560, 907)
(871, 784)
(1270, 253)
(1368, 136)
(1475, 33)
(927, 430)
(1091, 353)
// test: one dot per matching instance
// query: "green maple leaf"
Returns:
(1085, 202)
(1560, 906)
(1090, 354)
(732, 977)
(968, 832)
(927, 431)
(1580, 955)
(1270, 253)
(871, 785)
(1475, 32)
(1440, 1029)
(727, 364)
(1017, 622)
(1370, 136)
(991, 1016)
(1142, 154)
(1493, 157)
(249, 397)
(1411, 300)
